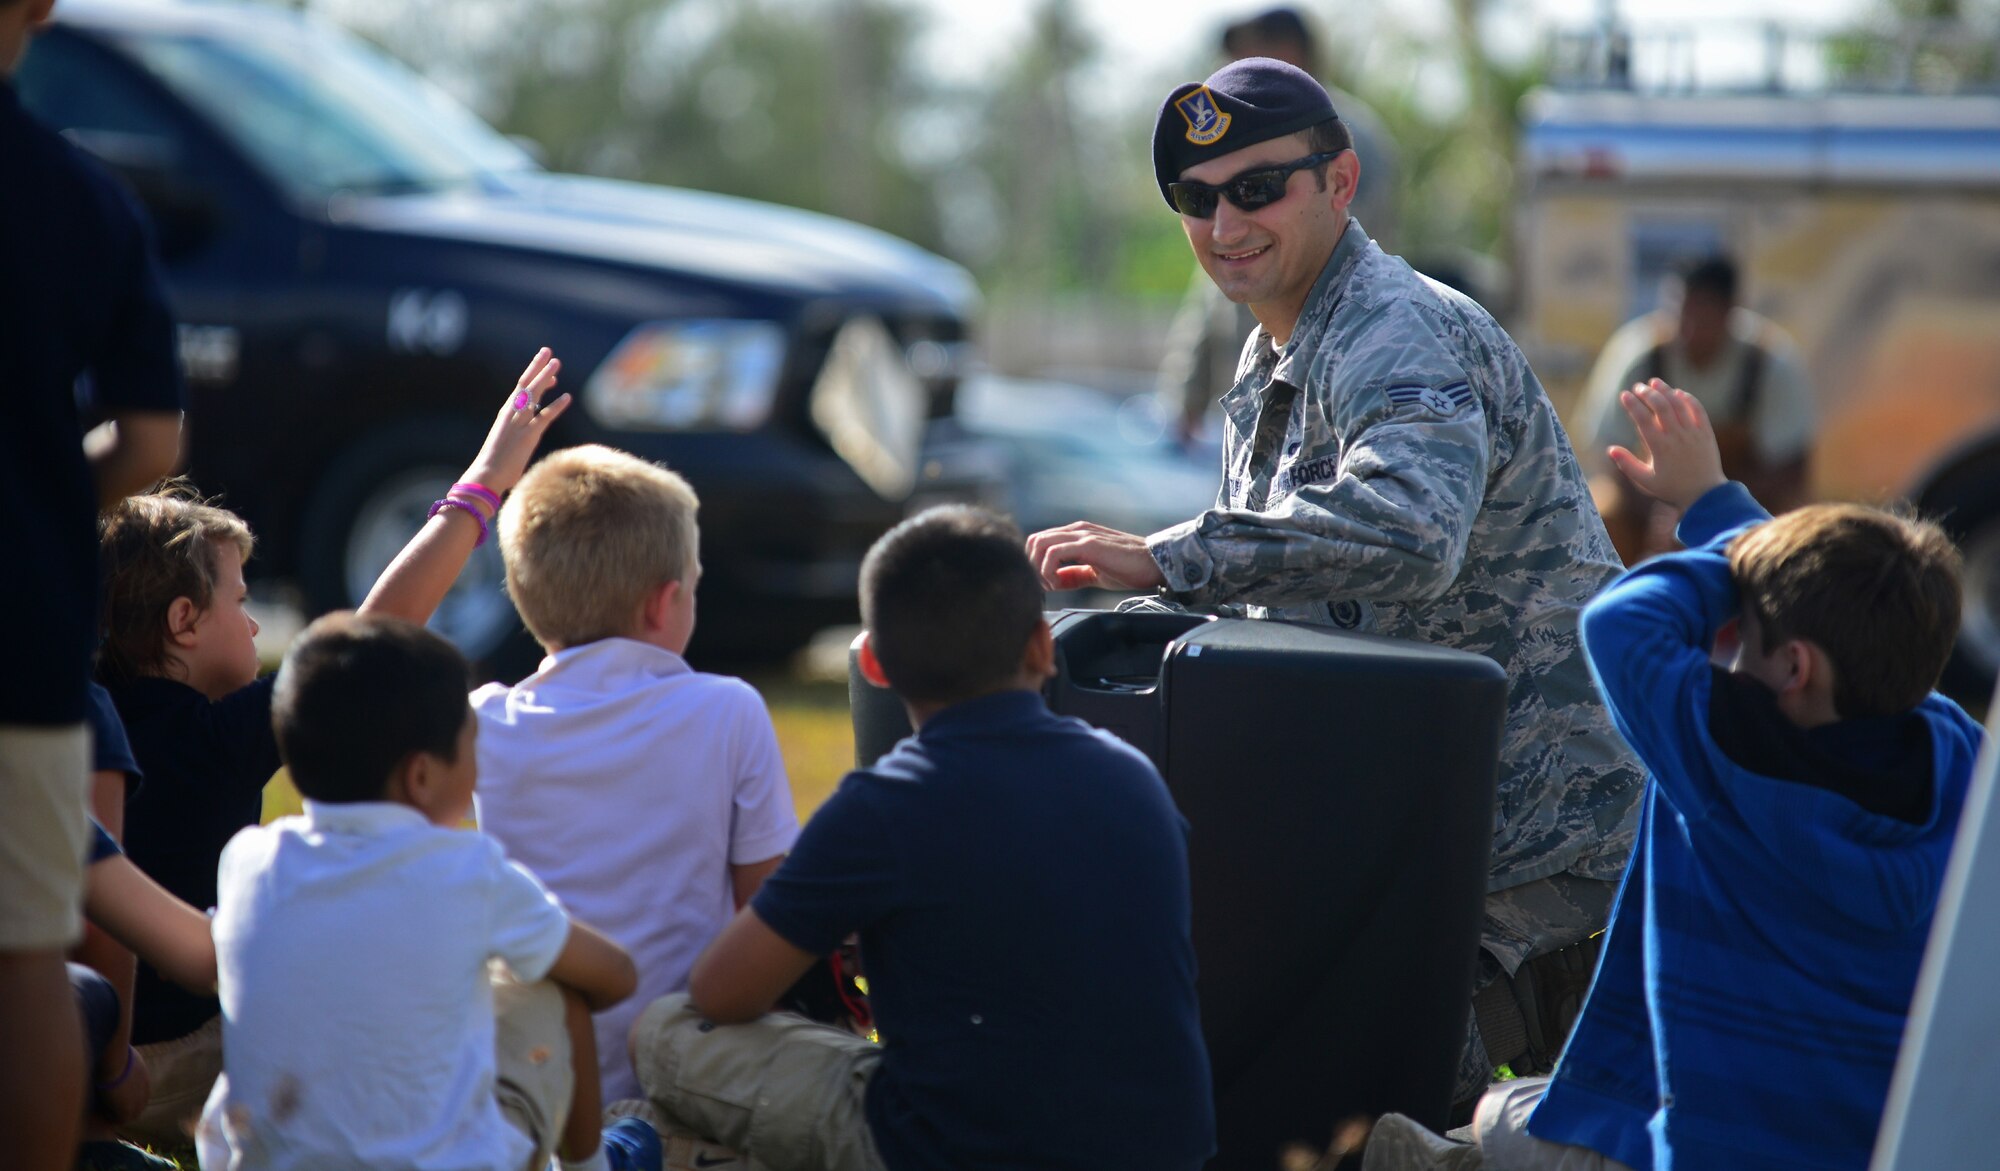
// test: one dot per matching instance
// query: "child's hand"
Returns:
(518, 429)
(1682, 462)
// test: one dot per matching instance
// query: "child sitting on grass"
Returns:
(1020, 885)
(649, 797)
(362, 1027)
(1804, 797)
(179, 660)
(144, 920)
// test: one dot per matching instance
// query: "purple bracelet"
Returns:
(131, 1058)
(467, 509)
(481, 491)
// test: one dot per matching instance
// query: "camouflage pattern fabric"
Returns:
(1397, 469)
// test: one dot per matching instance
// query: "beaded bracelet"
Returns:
(131, 1059)
(467, 509)
(481, 491)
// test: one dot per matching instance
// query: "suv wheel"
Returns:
(374, 499)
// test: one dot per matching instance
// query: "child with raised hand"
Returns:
(397, 994)
(181, 665)
(1806, 786)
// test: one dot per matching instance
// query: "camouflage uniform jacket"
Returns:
(1397, 469)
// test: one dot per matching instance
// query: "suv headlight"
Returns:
(689, 376)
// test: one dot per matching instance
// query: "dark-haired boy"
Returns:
(1019, 882)
(1804, 797)
(353, 943)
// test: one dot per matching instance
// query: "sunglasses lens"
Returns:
(1251, 192)
(1193, 199)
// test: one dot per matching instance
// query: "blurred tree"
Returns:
(1936, 46)
(792, 101)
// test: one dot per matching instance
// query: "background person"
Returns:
(1730, 360)
(79, 295)
(1391, 465)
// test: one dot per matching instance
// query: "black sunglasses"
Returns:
(1249, 191)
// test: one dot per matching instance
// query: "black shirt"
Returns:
(79, 292)
(206, 764)
(1020, 884)
(1881, 763)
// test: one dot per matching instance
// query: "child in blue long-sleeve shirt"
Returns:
(1806, 785)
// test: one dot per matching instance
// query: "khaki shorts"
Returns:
(44, 834)
(183, 1072)
(533, 1078)
(1500, 1126)
(786, 1092)
(1499, 1130)
(532, 1075)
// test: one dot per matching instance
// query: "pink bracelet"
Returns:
(467, 509)
(486, 510)
(480, 490)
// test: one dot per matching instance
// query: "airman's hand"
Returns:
(1085, 554)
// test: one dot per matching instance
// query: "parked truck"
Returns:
(358, 264)
(1865, 221)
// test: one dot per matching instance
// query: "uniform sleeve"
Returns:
(1389, 520)
(1648, 637)
(762, 822)
(842, 876)
(138, 364)
(1786, 416)
(529, 925)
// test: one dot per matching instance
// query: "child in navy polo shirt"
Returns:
(179, 660)
(1020, 885)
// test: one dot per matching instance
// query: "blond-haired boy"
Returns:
(648, 796)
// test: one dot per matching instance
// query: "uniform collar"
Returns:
(361, 817)
(1313, 316)
(1320, 303)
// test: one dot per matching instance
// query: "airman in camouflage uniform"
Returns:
(1391, 465)
(1396, 469)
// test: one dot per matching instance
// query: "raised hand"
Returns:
(1084, 554)
(518, 429)
(1682, 460)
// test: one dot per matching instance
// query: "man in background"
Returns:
(1750, 383)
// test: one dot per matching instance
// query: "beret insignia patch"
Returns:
(1206, 121)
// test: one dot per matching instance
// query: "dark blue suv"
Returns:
(358, 263)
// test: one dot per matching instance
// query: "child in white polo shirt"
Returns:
(365, 1023)
(648, 796)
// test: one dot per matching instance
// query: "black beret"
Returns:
(1241, 104)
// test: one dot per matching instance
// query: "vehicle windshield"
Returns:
(321, 112)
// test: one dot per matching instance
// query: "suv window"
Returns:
(74, 86)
